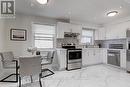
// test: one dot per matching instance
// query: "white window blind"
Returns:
(44, 36)
(87, 36)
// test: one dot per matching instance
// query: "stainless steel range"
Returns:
(74, 58)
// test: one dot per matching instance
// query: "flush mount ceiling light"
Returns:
(112, 13)
(42, 1)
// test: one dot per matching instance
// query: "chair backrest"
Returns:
(30, 65)
(7, 56)
(51, 54)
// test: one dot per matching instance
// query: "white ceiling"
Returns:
(93, 11)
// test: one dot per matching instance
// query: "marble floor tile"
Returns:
(92, 76)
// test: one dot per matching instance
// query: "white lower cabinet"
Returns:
(91, 56)
(103, 55)
(123, 59)
(61, 56)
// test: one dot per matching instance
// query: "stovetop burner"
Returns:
(69, 47)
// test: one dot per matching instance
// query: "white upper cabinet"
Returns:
(114, 33)
(100, 34)
(67, 27)
(61, 28)
(75, 28)
(117, 31)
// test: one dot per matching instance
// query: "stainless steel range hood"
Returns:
(70, 34)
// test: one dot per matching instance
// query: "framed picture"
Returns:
(18, 34)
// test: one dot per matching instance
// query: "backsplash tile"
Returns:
(66, 40)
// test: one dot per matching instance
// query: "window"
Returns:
(44, 36)
(87, 36)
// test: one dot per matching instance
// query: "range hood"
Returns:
(70, 34)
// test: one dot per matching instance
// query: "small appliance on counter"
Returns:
(74, 57)
(92, 46)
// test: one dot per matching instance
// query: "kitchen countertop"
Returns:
(117, 49)
(94, 48)
(60, 49)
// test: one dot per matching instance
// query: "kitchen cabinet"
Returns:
(75, 28)
(91, 56)
(100, 34)
(61, 56)
(61, 28)
(85, 57)
(103, 55)
(123, 58)
(115, 32)
(67, 27)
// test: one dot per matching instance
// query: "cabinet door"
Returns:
(61, 54)
(123, 59)
(85, 55)
(97, 58)
(76, 28)
(103, 55)
(94, 57)
(100, 34)
(61, 28)
(63, 59)
(64, 55)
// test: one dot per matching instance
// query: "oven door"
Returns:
(74, 56)
(113, 58)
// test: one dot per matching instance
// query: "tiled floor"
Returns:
(93, 76)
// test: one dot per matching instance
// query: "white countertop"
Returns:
(117, 49)
(93, 48)
(60, 49)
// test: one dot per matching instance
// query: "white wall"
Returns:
(2, 24)
(20, 22)
(86, 24)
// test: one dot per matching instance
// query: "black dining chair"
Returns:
(9, 62)
(30, 66)
(46, 62)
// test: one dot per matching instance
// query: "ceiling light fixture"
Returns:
(42, 1)
(112, 13)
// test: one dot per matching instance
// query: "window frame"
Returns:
(92, 38)
(54, 35)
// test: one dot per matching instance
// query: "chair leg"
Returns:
(4, 79)
(43, 70)
(40, 80)
(16, 74)
(19, 81)
(31, 78)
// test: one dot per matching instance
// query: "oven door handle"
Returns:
(74, 51)
(111, 54)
